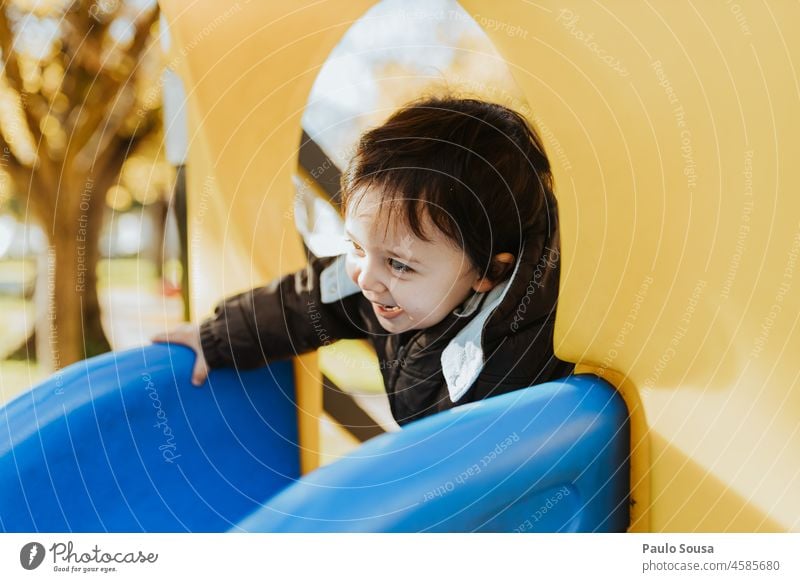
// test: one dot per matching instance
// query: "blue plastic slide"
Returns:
(552, 458)
(124, 443)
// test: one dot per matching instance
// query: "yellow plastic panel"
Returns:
(248, 68)
(674, 134)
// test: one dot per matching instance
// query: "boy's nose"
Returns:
(367, 279)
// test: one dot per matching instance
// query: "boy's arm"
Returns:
(284, 318)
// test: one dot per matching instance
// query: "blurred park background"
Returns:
(89, 249)
(93, 250)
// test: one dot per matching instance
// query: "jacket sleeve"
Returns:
(282, 319)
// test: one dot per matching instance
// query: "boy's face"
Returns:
(412, 284)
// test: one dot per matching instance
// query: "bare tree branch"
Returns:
(83, 38)
(112, 159)
(20, 173)
(111, 89)
(14, 77)
(80, 51)
(8, 152)
(27, 181)
(94, 99)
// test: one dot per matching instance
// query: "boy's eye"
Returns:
(356, 248)
(398, 266)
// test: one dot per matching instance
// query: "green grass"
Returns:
(16, 320)
(12, 304)
(16, 377)
(17, 270)
(126, 274)
(120, 273)
(17, 314)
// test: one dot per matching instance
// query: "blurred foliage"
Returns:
(73, 86)
(80, 125)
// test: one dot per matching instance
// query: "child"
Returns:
(452, 275)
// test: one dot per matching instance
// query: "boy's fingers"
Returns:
(199, 373)
(197, 376)
(169, 337)
(180, 336)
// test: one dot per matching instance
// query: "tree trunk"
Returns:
(71, 328)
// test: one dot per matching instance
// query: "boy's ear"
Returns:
(502, 261)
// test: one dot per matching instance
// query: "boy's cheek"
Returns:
(351, 268)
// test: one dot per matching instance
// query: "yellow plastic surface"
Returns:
(673, 132)
(678, 136)
(247, 68)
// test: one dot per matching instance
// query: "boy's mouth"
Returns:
(387, 311)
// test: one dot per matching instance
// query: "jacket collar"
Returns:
(335, 283)
(462, 358)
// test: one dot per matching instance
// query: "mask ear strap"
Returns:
(462, 358)
(470, 304)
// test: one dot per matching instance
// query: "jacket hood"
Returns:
(522, 303)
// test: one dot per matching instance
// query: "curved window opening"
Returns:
(397, 51)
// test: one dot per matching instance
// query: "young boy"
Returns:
(453, 272)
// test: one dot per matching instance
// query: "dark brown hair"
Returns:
(477, 169)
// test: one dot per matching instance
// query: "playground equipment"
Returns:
(673, 142)
(124, 443)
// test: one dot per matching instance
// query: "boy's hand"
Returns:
(187, 334)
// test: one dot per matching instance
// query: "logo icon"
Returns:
(31, 555)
